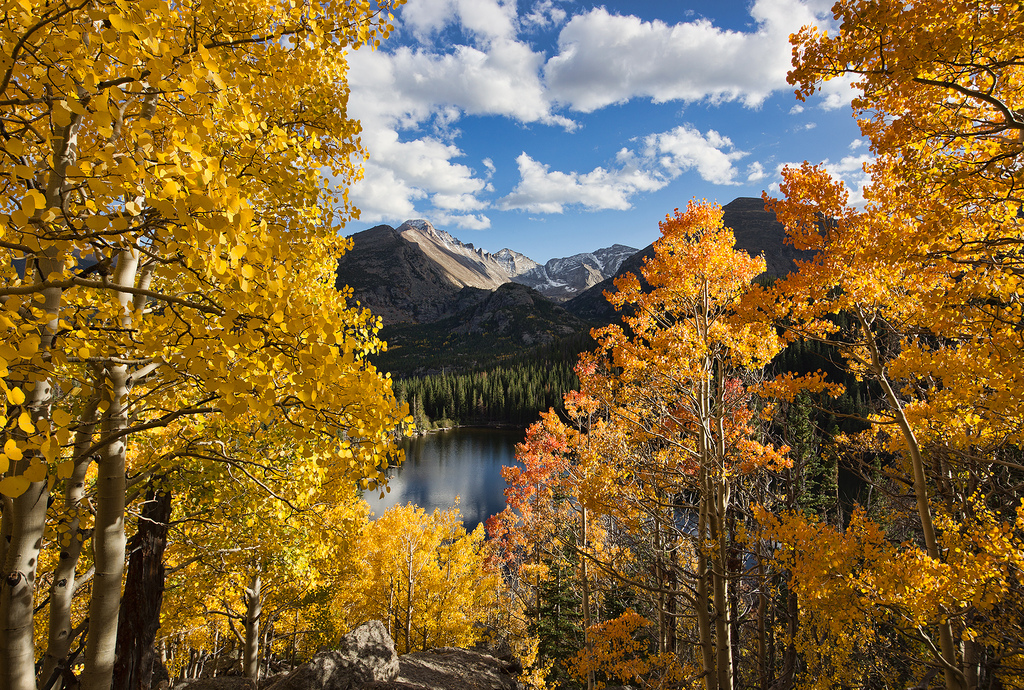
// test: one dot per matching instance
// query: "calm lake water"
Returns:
(464, 463)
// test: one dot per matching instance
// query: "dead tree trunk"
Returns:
(139, 617)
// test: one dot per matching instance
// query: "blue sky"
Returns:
(558, 126)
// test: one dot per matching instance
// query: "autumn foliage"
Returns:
(765, 529)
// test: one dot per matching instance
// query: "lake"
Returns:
(464, 463)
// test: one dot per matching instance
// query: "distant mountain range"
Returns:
(414, 273)
(443, 300)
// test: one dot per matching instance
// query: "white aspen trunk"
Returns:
(108, 536)
(586, 599)
(253, 607)
(17, 651)
(720, 536)
(409, 602)
(703, 527)
(720, 580)
(62, 591)
(954, 677)
(25, 519)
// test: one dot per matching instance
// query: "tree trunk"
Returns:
(62, 591)
(24, 517)
(139, 618)
(17, 651)
(253, 605)
(108, 540)
(954, 677)
(586, 598)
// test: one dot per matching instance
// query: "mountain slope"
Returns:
(757, 232)
(563, 279)
(395, 278)
(414, 274)
(486, 327)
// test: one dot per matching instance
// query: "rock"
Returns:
(365, 655)
(218, 683)
(449, 669)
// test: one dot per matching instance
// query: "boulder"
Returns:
(219, 683)
(450, 669)
(365, 655)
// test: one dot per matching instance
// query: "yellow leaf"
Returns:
(65, 469)
(15, 396)
(11, 450)
(36, 472)
(14, 486)
(25, 423)
(121, 23)
(60, 417)
(33, 201)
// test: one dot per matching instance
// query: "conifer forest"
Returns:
(812, 481)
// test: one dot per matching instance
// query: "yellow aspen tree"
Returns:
(424, 577)
(927, 271)
(168, 246)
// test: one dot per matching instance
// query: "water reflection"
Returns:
(461, 462)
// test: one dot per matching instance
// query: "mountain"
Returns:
(464, 265)
(757, 233)
(395, 278)
(563, 279)
(486, 326)
(415, 273)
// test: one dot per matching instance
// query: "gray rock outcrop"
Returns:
(450, 669)
(365, 655)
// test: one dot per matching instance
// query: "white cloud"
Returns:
(606, 58)
(541, 190)
(466, 222)
(685, 148)
(857, 143)
(809, 125)
(796, 109)
(407, 87)
(400, 173)
(543, 14)
(837, 92)
(849, 169)
(664, 157)
(755, 172)
(486, 19)
(411, 99)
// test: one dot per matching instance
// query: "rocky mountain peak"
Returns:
(514, 262)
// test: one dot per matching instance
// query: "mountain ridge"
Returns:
(414, 273)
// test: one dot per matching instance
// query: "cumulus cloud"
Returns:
(796, 109)
(663, 157)
(837, 92)
(685, 148)
(411, 99)
(401, 173)
(542, 190)
(755, 172)
(486, 19)
(849, 169)
(607, 58)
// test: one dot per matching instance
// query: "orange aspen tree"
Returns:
(168, 248)
(672, 384)
(661, 445)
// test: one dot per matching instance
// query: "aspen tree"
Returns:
(168, 244)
